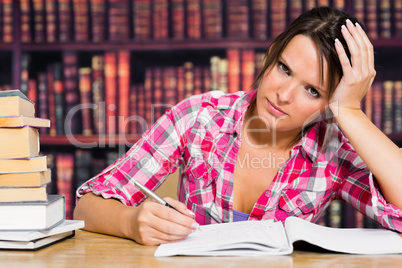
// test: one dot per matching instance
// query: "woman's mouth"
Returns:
(274, 109)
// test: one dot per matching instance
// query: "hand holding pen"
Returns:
(156, 225)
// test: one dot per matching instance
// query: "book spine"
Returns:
(142, 19)
(181, 90)
(140, 110)
(148, 95)
(371, 23)
(8, 21)
(51, 103)
(377, 104)
(64, 11)
(118, 20)
(385, 19)
(197, 80)
(223, 75)
(43, 100)
(98, 15)
(85, 94)
(214, 65)
(278, 17)
(98, 96)
(25, 60)
(50, 8)
(233, 59)
(124, 90)
(398, 106)
(32, 91)
(259, 11)
(388, 88)
(188, 79)
(169, 87)
(72, 95)
(26, 35)
(177, 19)
(65, 173)
(237, 19)
(398, 18)
(309, 4)
(82, 167)
(81, 23)
(358, 8)
(206, 75)
(132, 123)
(247, 69)
(295, 7)
(193, 19)
(59, 98)
(160, 18)
(110, 91)
(212, 19)
(39, 20)
(339, 4)
(157, 98)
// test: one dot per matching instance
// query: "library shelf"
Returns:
(92, 141)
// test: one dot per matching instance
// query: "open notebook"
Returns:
(259, 238)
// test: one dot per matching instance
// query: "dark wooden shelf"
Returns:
(172, 45)
(94, 141)
(6, 46)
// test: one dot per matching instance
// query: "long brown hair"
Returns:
(322, 25)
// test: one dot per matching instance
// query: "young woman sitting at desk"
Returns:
(287, 148)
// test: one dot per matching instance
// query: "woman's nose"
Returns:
(286, 93)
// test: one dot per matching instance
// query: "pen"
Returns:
(154, 197)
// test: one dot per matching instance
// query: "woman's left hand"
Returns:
(358, 75)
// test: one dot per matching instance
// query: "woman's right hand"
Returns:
(153, 224)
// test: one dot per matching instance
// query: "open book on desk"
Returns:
(259, 238)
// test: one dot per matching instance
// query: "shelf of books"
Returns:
(103, 71)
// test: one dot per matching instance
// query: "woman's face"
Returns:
(290, 94)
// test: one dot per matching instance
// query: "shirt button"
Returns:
(268, 193)
(285, 169)
(298, 202)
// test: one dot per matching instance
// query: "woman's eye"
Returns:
(283, 67)
(312, 92)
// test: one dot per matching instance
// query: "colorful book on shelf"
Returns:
(22, 194)
(160, 19)
(64, 22)
(98, 96)
(31, 235)
(39, 20)
(118, 15)
(188, 79)
(51, 99)
(212, 19)
(34, 215)
(15, 103)
(193, 10)
(259, 18)
(295, 9)
(25, 9)
(397, 14)
(148, 92)
(233, 57)
(237, 19)
(25, 60)
(123, 76)
(110, 91)
(157, 90)
(51, 15)
(8, 21)
(85, 97)
(25, 179)
(385, 19)
(81, 20)
(64, 182)
(20, 142)
(371, 18)
(32, 164)
(247, 69)
(98, 21)
(177, 19)
(278, 17)
(142, 19)
(398, 107)
(388, 91)
(198, 87)
(59, 100)
(42, 106)
(71, 92)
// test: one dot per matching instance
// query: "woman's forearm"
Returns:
(381, 155)
(108, 216)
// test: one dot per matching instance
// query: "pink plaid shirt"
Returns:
(201, 135)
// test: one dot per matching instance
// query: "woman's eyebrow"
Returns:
(324, 92)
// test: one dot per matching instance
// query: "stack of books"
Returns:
(29, 217)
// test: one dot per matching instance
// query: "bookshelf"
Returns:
(155, 38)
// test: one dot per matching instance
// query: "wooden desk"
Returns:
(95, 250)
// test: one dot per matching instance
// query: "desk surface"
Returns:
(88, 249)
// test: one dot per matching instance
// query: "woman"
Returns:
(286, 149)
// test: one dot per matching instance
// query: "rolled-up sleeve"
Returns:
(150, 160)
